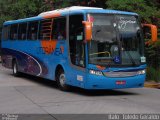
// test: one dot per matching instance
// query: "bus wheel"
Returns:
(61, 79)
(15, 68)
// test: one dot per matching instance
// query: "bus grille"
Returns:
(120, 74)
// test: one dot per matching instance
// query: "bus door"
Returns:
(77, 49)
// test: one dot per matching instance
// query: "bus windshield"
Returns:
(116, 40)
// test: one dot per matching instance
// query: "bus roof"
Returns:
(22, 20)
(70, 10)
(77, 9)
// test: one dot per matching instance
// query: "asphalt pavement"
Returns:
(31, 95)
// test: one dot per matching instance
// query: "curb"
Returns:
(152, 85)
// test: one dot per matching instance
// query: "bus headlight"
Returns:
(94, 72)
(141, 72)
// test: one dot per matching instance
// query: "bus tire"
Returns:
(61, 79)
(15, 68)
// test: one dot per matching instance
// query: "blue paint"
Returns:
(48, 62)
(102, 82)
(23, 20)
(84, 11)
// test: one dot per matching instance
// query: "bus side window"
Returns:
(6, 30)
(22, 31)
(13, 32)
(59, 29)
(32, 30)
(45, 29)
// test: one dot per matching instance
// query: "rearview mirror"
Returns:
(150, 33)
(88, 30)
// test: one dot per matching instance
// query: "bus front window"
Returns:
(131, 42)
(116, 40)
(104, 45)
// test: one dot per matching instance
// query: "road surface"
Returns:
(31, 95)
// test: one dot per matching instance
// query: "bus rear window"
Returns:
(6, 30)
(14, 32)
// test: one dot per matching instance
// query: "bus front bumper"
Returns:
(103, 82)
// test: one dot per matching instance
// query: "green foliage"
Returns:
(15, 9)
(22, 9)
(64, 3)
(139, 6)
(55, 4)
(153, 54)
(153, 74)
(18, 9)
(153, 61)
(159, 34)
(4, 12)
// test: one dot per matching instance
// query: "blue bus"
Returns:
(86, 47)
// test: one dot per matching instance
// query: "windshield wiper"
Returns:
(128, 53)
(131, 58)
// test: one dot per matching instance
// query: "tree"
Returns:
(17, 9)
(146, 11)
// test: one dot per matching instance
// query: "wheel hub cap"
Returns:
(62, 79)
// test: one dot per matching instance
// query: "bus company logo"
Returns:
(123, 22)
(48, 46)
(50, 50)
